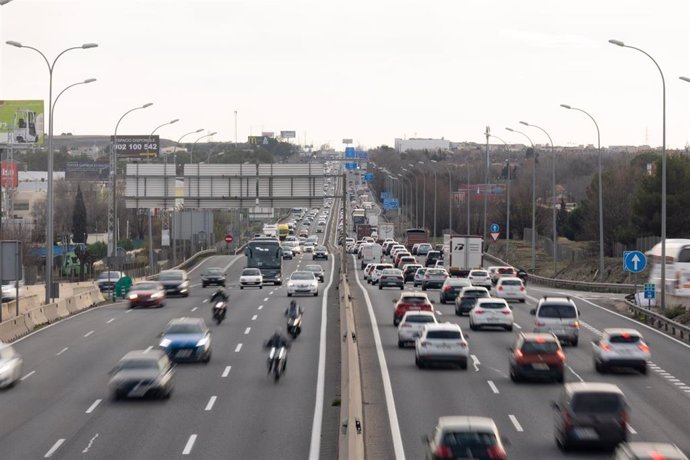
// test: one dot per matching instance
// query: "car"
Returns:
(411, 326)
(491, 312)
(510, 288)
(187, 339)
(423, 249)
(402, 261)
(320, 253)
(317, 270)
(375, 273)
(287, 253)
(146, 294)
(620, 348)
(443, 343)
(391, 277)
(464, 437)
(451, 288)
(413, 251)
(431, 258)
(308, 246)
(467, 298)
(251, 277)
(142, 373)
(439, 264)
(319, 229)
(536, 355)
(304, 231)
(558, 315)
(418, 276)
(395, 248)
(213, 275)
(590, 413)
(522, 274)
(410, 301)
(366, 270)
(409, 271)
(491, 269)
(10, 365)
(648, 451)
(502, 271)
(105, 282)
(296, 248)
(302, 282)
(387, 246)
(480, 278)
(434, 278)
(175, 282)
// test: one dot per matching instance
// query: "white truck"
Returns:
(270, 230)
(386, 231)
(373, 219)
(465, 252)
(371, 254)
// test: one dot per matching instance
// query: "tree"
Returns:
(79, 231)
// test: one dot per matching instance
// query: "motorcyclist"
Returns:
(294, 310)
(277, 341)
(219, 295)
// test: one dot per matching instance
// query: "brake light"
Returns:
(605, 346)
(519, 355)
(644, 347)
(539, 323)
(462, 344)
(499, 288)
(495, 453)
(624, 419)
(506, 312)
(478, 311)
(567, 421)
(560, 355)
(540, 340)
(447, 289)
(522, 288)
(442, 451)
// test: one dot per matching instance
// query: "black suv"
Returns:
(432, 257)
(213, 275)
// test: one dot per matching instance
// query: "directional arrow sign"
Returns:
(494, 228)
(634, 261)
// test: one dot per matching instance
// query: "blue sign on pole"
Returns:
(350, 166)
(369, 177)
(391, 203)
(362, 155)
(350, 152)
(649, 291)
(634, 261)
(384, 196)
(494, 228)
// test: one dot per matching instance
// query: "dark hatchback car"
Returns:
(175, 282)
(213, 276)
(467, 299)
(409, 271)
(537, 355)
(590, 414)
(431, 258)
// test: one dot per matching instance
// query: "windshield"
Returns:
(469, 444)
(444, 335)
(419, 319)
(624, 338)
(264, 254)
(168, 276)
(415, 300)
(560, 311)
(251, 272)
(601, 403)
(302, 276)
(539, 347)
(511, 283)
(145, 287)
(132, 364)
(314, 268)
(214, 271)
(184, 329)
(479, 273)
(109, 275)
(492, 305)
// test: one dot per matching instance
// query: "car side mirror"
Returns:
(555, 406)
(533, 311)
(393, 300)
(579, 313)
(425, 439)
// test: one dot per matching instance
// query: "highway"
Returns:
(659, 401)
(228, 408)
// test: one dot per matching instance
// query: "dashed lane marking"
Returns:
(226, 371)
(190, 445)
(516, 424)
(55, 447)
(260, 307)
(196, 308)
(61, 351)
(110, 321)
(254, 317)
(210, 403)
(27, 375)
(238, 348)
(88, 334)
(93, 406)
(246, 331)
(493, 386)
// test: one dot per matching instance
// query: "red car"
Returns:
(146, 294)
(410, 301)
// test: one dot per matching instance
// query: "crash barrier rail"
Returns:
(660, 322)
(570, 284)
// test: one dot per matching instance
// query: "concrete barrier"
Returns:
(51, 312)
(12, 329)
(37, 316)
(62, 308)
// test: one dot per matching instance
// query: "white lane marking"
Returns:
(270, 293)
(110, 321)
(475, 362)
(93, 406)
(260, 307)
(254, 317)
(55, 447)
(265, 299)
(493, 386)
(196, 308)
(575, 373)
(238, 348)
(315, 445)
(210, 404)
(246, 331)
(61, 351)
(439, 313)
(204, 301)
(149, 348)
(126, 311)
(190, 444)
(226, 371)
(88, 334)
(88, 446)
(27, 375)
(631, 430)
(516, 424)
(517, 325)
(398, 450)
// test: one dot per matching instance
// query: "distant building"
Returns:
(403, 145)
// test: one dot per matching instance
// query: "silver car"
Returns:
(10, 365)
(620, 348)
(560, 316)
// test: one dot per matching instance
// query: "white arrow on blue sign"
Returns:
(495, 228)
(634, 261)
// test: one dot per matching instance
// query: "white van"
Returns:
(371, 254)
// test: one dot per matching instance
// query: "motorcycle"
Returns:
(277, 361)
(294, 326)
(219, 310)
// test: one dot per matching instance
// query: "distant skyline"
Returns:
(367, 70)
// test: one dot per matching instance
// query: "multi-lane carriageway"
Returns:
(405, 402)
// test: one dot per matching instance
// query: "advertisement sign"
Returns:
(288, 134)
(21, 122)
(268, 134)
(347, 141)
(136, 146)
(9, 174)
(259, 140)
(87, 170)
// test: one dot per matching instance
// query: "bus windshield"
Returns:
(263, 254)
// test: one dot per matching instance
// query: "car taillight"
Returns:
(624, 419)
(447, 289)
(405, 325)
(539, 323)
(567, 421)
(462, 344)
(643, 347)
(442, 451)
(478, 311)
(499, 288)
(506, 312)
(575, 324)
(605, 346)
(522, 288)
(424, 344)
(519, 355)
(495, 453)
(560, 355)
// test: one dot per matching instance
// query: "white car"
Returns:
(251, 277)
(491, 312)
(411, 326)
(10, 365)
(308, 247)
(375, 273)
(441, 342)
(621, 348)
(367, 270)
(511, 288)
(480, 278)
(302, 282)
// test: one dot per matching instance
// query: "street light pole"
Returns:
(435, 187)
(49, 214)
(553, 204)
(507, 198)
(423, 199)
(601, 199)
(663, 170)
(487, 179)
(534, 197)
(416, 197)
(194, 144)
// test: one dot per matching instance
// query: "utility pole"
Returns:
(486, 179)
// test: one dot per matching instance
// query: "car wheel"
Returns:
(418, 362)
(401, 344)
(289, 295)
(443, 300)
(574, 342)
(599, 367)
(643, 369)
(261, 287)
(522, 300)
(560, 378)
(186, 294)
(463, 365)
(241, 287)
(423, 287)
(402, 287)
(203, 285)
(513, 375)
(457, 312)
(473, 327)
(380, 287)
(316, 294)
(396, 321)
(208, 357)
(509, 328)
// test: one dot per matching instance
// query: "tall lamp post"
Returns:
(553, 205)
(423, 198)
(49, 214)
(601, 199)
(663, 170)
(534, 197)
(507, 196)
(195, 142)
(435, 187)
(416, 196)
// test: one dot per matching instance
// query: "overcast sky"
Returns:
(371, 70)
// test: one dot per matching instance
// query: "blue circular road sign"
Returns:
(634, 261)
(495, 228)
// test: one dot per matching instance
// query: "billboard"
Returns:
(87, 170)
(287, 134)
(268, 134)
(347, 141)
(21, 122)
(136, 146)
(9, 174)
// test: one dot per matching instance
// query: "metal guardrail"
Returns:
(658, 321)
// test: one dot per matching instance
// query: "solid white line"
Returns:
(110, 321)
(195, 308)
(61, 351)
(246, 331)
(493, 386)
(86, 449)
(226, 371)
(315, 445)
(88, 334)
(631, 430)
(254, 317)
(516, 424)
(238, 348)
(385, 376)
(190, 444)
(575, 373)
(55, 447)
(210, 404)
(93, 406)
(27, 375)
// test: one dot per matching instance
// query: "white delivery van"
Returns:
(371, 254)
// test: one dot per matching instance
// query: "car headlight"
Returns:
(157, 295)
(5, 368)
(203, 342)
(165, 343)
(132, 296)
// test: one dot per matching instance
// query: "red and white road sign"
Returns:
(495, 235)
(228, 239)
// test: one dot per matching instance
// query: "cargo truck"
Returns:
(363, 230)
(386, 231)
(465, 252)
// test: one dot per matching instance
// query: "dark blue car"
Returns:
(187, 339)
